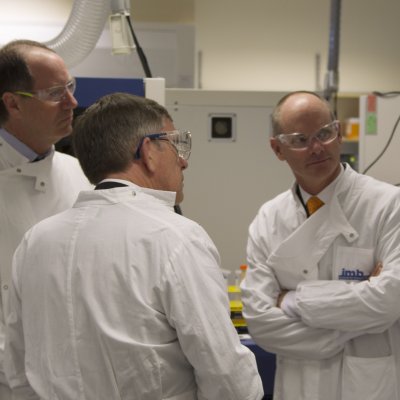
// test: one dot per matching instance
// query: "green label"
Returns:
(371, 124)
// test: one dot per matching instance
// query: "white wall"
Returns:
(260, 44)
(26, 11)
(271, 44)
(40, 20)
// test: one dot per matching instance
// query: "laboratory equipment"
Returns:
(235, 300)
(379, 140)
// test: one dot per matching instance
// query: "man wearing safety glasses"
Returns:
(36, 110)
(322, 289)
(130, 301)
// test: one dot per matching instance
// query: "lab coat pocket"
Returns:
(353, 264)
(369, 378)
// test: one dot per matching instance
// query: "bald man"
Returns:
(322, 290)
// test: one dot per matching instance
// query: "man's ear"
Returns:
(148, 155)
(11, 102)
(276, 146)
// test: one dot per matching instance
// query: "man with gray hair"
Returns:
(120, 297)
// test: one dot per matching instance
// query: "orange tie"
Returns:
(313, 204)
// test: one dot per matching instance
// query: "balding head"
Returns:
(298, 105)
(14, 68)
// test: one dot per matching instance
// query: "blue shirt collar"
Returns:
(19, 146)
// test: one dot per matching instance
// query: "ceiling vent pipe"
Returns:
(82, 30)
(332, 76)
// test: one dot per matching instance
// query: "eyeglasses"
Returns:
(300, 141)
(54, 94)
(181, 140)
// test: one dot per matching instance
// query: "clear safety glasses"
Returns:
(181, 141)
(300, 141)
(54, 94)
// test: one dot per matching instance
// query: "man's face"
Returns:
(45, 121)
(318, 165)
(170, 165)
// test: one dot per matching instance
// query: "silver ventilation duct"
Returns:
(82, 30)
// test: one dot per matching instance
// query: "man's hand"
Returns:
(280, 297)
(377, 270)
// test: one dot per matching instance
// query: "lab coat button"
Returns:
(351, 235)
(5, 287)
(42, 184)
(305, 271)
(19, 170)
(133, 193)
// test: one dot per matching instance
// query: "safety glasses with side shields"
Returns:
(181, 141)
(300, 141)
(54, 94)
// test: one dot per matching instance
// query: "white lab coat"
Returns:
(29, 193)
(122, 298)
(346, 343)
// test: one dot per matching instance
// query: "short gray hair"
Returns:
(107, 134)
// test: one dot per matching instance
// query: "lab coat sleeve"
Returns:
(15, 345)
(372, 306)
(2, 344)
(268, 325)
(196, 303)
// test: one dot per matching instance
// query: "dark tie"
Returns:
(313, 204)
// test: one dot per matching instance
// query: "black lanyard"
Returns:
(298, 192)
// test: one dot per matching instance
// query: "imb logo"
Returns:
(352, 275)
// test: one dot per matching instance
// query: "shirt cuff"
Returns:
(289, 305)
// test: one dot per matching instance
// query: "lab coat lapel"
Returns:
(39, 171)
(297, 257)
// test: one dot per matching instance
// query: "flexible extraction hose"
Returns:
(82, 30)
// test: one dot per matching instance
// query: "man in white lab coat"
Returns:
(36, 106)
(322, 289)
(120, 297)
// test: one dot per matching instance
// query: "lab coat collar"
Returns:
(15, 153)
(163, 195)
(10, 159)
(326, 194)
(19, 146)
(9, 156)
(343, 187)
(296, 258)
(331, 217)
(13, 163)
(119, 194)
